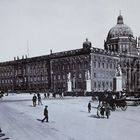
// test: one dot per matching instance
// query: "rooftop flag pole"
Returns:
(28, 48)
(120, 12)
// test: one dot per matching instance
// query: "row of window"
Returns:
(63, 77)
(4, 74)
(6, 81)
(104, 74)
(70, 67)
(38, 78)
(104, 65)
(37, 86)
(103, 84)
(35, 71)
(30, 79)
(19, 72)
(36, 66)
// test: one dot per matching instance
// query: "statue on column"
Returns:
(118, 81)
(69, 83)
(69, 77)
(88, 81)
(87, 75)
(118, 71)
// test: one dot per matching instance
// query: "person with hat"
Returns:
(45, 114)
(34, 100)
(89, 107)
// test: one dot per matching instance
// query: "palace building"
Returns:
(82, 70)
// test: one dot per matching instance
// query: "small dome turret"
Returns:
(120, 19)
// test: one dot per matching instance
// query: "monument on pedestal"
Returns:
(88, 81)
(69, 83)
(117, 81)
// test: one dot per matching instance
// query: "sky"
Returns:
(34, 27)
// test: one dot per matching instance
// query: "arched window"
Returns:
(102, 65)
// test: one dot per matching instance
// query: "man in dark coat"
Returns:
(107, 111)
(45, 114)
(34, 100)
(102, 110)
(39, 99)
(89, 107)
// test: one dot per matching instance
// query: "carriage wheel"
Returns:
(136, 103)
(113, 108)
(124, 106)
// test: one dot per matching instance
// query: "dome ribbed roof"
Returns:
(120, 30)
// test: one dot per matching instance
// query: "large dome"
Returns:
(120, 30)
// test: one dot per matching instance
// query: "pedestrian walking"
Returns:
(107, 111)
(89, 107)
(45, 114)
(34, 100)
(39, 99)
(48, 95)
(45, 96)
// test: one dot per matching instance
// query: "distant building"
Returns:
(83, 67)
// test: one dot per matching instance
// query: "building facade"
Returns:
(120, 40)
(82, 70)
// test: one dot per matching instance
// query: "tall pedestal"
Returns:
(69, 86)
(117, 83)
(88, 85)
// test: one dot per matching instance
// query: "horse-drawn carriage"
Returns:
(112, 100)
(118, 103)
(118, 99)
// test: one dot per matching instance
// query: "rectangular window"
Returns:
(107, 65)
(94, 64)
(64, 76)
(58, 77)
(98, 64)
(54, 77)
(110, 66)
(114, 66)
(94, 75)
(103, 65)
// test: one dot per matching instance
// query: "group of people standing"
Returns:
(102, 110)
(37, 98)
(46, 95)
